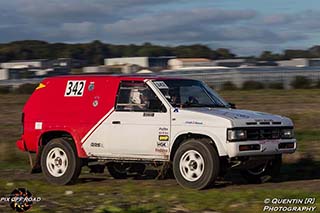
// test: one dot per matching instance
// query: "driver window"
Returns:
(138, 97)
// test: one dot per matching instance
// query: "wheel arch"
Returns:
(180, 139)
(49, 135)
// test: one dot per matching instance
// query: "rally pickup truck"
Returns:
(128, 122)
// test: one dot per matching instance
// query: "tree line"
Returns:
(313, 52)
(96, 51)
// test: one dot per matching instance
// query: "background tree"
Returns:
(223, 53)
(95, 51)
(269, 56)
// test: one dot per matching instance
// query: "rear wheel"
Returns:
(263, 172)
(196, 164)
(59, 162)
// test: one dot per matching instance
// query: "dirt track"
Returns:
(300, 178)
(90, 186)
(232, 181)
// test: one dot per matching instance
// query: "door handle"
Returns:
(116, 122)
(148, 114)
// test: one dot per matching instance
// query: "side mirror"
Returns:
(232, 105)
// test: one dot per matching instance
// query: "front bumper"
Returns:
(262, 147)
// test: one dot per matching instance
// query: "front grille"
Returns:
(263, 133)
(264, 123)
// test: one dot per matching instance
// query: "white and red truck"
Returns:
(127, 122)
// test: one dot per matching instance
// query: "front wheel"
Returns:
(59, 162)
(196, 164)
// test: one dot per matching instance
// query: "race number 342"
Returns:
(75, 88)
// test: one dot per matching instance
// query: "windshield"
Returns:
(189, 93)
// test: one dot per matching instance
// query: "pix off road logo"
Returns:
(20, 200)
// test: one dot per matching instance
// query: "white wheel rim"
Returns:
(57, 162)
(191, 165)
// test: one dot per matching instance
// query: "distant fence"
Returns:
(218, 77)
(18, 82)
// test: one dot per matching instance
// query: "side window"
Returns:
(138, 97)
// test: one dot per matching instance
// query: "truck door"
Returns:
(140, 125)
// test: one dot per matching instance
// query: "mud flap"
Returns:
(35, 166)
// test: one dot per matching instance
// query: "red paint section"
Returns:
(75, 115)
(20, 145)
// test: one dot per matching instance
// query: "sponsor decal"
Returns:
(163, 131)
(40, 86)
(235, 115)
(38, 125)
(161, 150)
(194, 122)
(163, 137)
(163, 140)
(91, 86)
(176, 110)
(97, 145)
(95, 103)
(161, 85)
(162, 144)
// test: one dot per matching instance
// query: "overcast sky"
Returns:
(246, 27)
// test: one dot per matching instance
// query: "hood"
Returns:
(245, 117)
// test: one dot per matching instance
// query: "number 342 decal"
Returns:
(75, 88)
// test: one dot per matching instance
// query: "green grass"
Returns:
(307, 135)
(21, 163)
(213, 200)
(138, 196)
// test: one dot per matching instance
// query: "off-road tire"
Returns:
(210, 164)
(73, 168)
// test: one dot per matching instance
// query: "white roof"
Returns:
(145, 71)
(22, 66)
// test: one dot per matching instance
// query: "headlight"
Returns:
(287, 133)
(237, 134)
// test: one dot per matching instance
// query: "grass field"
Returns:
(100, 193)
